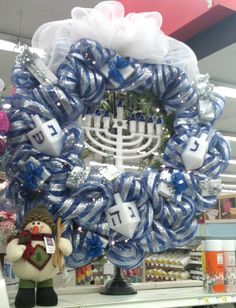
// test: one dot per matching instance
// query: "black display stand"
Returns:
(2, 259)
(118, 285)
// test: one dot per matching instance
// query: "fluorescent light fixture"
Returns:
(12, 47)
(226, 91)
(229, 186)
(6, 106)
(228, 175)
(225, 191)
(8, 46)
(230, 138)
(232, 161)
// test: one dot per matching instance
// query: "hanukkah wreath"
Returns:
(95, 51)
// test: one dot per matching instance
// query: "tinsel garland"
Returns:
(164, 222)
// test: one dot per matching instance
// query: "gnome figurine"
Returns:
(33, 257)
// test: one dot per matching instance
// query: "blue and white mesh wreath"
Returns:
(45, 145)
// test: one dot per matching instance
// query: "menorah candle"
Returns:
(159, 126)
(229, 265)
(150, 126)
(106, 120)
(97, 119)
(132, 124)
(119, 110)
(141, 124)
(214, 270)
(88, 119)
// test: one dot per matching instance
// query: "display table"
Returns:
(160, 295)
(3, 291)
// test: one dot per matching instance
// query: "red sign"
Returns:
(183, 19)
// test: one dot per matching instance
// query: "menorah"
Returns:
(133, 140)
(110, 136)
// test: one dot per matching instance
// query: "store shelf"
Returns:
(165, 266)
(195, 262)
(196, 272)
(195, 254)
(161, 298)
(217, 229)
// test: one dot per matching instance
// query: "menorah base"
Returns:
(118, 286)
(115, 287)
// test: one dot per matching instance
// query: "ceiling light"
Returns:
(232, 161)
(6, 106)
(12, 47)
(225, 191)
(229, 186)
(230, 138)
(226, 91)
(228, 175)
(6, 45)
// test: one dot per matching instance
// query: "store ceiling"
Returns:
(19, 20)
(221, 67)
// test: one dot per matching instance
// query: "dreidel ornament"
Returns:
(123, 217)
(46, 137)
(164, 188)
(194, 154)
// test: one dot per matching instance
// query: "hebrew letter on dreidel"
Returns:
(46, 137)
(123, 217)
(39, 137)
(194, 154)
(195, 146)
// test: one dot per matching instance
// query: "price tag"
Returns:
(225, 299)
(203, 301)
(49, 244)
(207, 300)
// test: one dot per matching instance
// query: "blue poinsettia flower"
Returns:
(32, 175)
(179, 182)
(94, 246)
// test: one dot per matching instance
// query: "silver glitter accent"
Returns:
(210, 187)
(203, 87)
(77, 176)
(206, 110)
(63, 100)
(36, 66)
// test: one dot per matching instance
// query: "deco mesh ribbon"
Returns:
(86, 72)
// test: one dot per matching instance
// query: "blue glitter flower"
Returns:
(94, 246)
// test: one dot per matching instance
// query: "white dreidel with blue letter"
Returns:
(194, 154)
(46, 137)
(123, 217)
(164, 188)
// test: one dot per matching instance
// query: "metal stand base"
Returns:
(118, 286)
